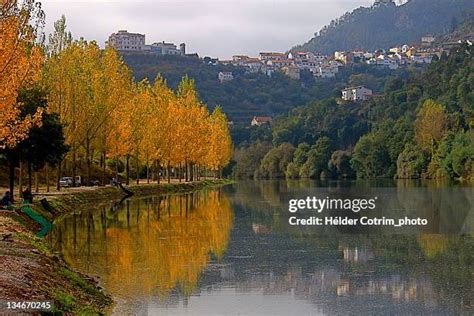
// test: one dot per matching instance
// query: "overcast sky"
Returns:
(219, 28)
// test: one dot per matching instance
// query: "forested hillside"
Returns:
(385, 24)
(253, 94)
(422, 127)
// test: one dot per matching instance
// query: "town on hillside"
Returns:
(292, 63)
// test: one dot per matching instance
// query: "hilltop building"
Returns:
(356, 94)
(163, 48)
(125, 41)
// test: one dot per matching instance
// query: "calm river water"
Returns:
(231, 250)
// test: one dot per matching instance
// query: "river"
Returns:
(231, 250)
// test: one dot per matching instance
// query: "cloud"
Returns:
(216, 28)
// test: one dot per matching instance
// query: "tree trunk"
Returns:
(180, 171)
(89, 162)
(186, 170)
(127, 171)
(147, 171)
(116, 169)
(169, 172)
(58, 176)
(103, 168)
(74, 168)
(138, 170)
(30, 177)
(20, 179)
(36, 182)
(11, 179)
(47, 177)
(158, 172)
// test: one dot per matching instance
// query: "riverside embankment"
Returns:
(31, 272)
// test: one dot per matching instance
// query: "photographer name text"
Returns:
(319, 205)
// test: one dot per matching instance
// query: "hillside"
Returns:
(385, 24)
(250, 94)
(420, 127)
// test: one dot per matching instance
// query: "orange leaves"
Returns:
(220, 144)
(104, 110)
(20, 62)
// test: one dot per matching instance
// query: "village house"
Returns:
(325, 72)
(280, 63)
(225, 76)
(239, 58)
(427, 40)
(344, 57)
(356, 94)
(252, 65)
(261, 120)
(272, 56)
(292, 71)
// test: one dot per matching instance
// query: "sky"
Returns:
(217, 28)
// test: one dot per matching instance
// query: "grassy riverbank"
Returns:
(29, 271)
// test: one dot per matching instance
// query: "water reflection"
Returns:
(150, 246)
(231, 251)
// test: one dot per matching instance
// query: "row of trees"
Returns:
(102, 112)
(108, 115)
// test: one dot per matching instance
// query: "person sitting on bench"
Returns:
(6, 199)
(27, 196)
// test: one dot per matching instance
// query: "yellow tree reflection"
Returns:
(153, 246)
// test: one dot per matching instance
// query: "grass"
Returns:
(35, 242)
(77, 280)
(66, 302)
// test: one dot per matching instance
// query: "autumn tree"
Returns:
(430, 125)
(219, 150)
(20, 62)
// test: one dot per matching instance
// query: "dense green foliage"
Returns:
(252, 94)
(385, 25)
(421, 127)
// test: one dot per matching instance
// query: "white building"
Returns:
(163, 48)
(427, 40)
(356, 94)
(280, 63)
(125, 41)
(325, 72)
(225, 76)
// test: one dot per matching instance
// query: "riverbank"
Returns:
(29, 271)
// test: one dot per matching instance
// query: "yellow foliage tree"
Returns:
(20, 62)
(430, 125)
